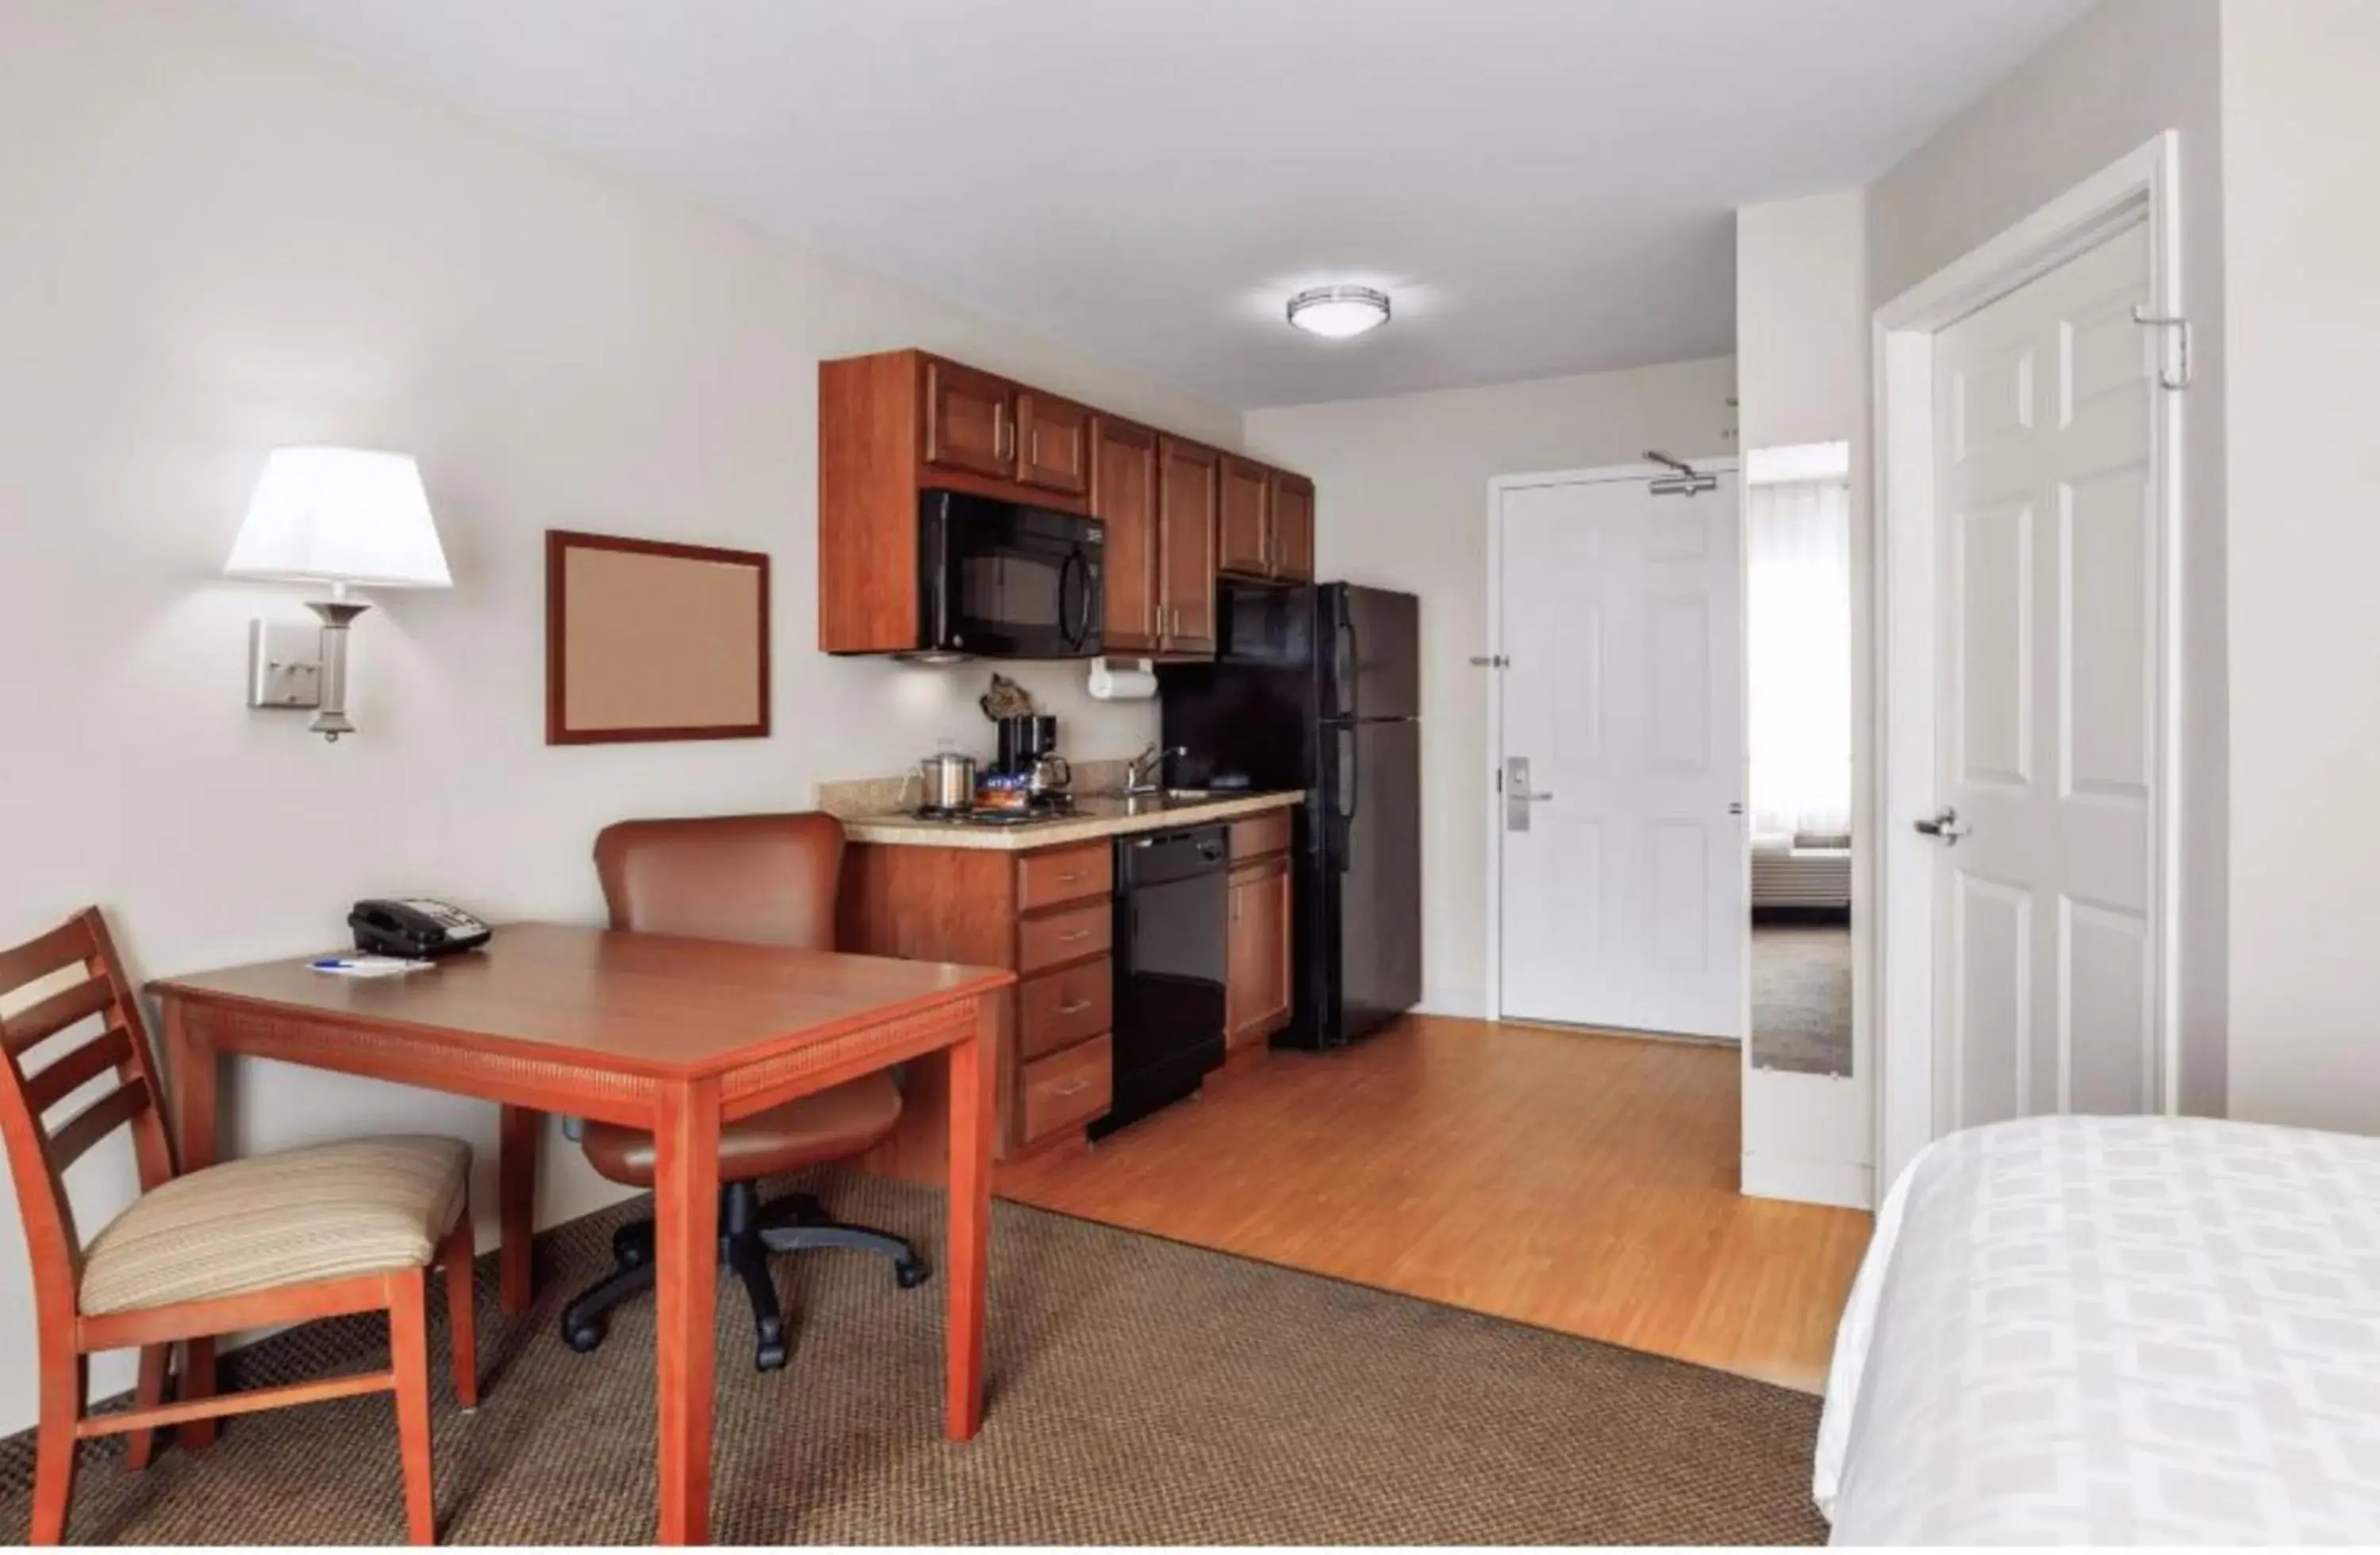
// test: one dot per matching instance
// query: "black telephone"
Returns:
(414, 927)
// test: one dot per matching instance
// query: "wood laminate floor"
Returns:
(1579, 1181)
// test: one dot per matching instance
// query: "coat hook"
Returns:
(2172, 380)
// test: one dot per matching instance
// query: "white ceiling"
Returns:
(1545, 185)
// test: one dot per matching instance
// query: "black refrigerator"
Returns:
(1319, 689)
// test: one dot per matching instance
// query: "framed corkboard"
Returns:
(647, 640)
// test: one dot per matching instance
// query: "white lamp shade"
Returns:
(340, 515)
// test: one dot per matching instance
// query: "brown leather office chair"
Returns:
(758, 880)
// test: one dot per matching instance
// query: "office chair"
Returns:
(760, 880)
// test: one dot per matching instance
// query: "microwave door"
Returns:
(1012, 601)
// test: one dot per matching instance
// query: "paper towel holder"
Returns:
(1122, 680)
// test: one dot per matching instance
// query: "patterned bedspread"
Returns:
(2114, 1331)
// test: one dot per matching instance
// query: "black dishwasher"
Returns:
(1172, 904)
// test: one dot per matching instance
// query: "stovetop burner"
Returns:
(1049, 806)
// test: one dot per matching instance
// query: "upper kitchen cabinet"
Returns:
(970, 419)
(1053, 444)
(894, 426)
(1124, 497)
(1189, 496)
(1244, 536)
(1290, 505)
(1267, 525)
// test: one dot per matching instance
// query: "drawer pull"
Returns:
(1077, 934)
(1070, 878)
(1072, 1087)
(1076, 1008)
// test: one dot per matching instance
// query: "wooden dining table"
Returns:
(674, 1036)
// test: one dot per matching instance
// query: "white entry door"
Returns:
(1619, 815)
(2047, 558)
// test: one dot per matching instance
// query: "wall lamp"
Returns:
(348, 518)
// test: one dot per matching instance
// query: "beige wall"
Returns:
(1401, 488)
(211, 242)
(1801, 320)
(2123, 72)
(2300, 119)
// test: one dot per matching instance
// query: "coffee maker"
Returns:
(1028, 748)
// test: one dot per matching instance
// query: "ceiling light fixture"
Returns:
(1338, 312)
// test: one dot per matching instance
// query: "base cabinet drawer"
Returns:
(1068, 1088)
(1059, 1009)
(1067, 874)
(1061, 937)
(1261, 834)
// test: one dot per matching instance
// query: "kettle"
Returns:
(949, 781)
(1049, 775)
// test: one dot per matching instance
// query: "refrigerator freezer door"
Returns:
(1370, 654)
(1371, 874)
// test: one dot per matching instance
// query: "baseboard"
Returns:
(1469, 1002)
(1844, 1184)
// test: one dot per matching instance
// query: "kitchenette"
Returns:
(1250, 880)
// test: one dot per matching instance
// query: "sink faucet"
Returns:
(1144, 773)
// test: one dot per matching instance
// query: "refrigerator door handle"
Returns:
(1353, 680)
(1351, 774)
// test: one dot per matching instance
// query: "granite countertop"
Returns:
(1095, 815)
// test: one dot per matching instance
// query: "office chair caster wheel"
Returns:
(770, 1355)
(583, 1337)
(632, 1245)
(911, 1273)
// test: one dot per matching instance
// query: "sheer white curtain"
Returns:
(1800, 636)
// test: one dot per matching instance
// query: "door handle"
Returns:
(1947, 826)
(1518, 795)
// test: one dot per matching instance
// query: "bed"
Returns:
(2114, 1331)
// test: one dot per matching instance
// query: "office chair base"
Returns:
(749, 1232)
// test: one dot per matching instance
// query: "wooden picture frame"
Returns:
(648, 640)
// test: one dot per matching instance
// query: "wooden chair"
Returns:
(280, 1238)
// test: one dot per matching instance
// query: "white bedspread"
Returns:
(2114, 1331)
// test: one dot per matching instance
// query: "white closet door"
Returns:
(2047, 735)
(1622, 861)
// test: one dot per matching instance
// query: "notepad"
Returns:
(369, 965)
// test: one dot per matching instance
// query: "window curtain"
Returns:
(1799, 634)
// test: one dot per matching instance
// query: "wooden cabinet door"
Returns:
(1053, 444)
(1256, 980)
(1244, 530)
(970, 420)
(1188, 494)
(1124, 497)
(1292, 527)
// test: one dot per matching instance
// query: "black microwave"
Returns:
(1001, 581)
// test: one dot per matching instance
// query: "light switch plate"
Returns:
(284, 664)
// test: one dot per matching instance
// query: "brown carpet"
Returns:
(1143, 1392)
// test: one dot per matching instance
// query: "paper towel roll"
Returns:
(1126, 680)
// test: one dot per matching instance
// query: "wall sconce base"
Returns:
(335, 615)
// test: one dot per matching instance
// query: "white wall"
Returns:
(2122, 72)
(1402, 491)
(1802, 375)
(1801, 320)
(212, 242)
(2300, 119)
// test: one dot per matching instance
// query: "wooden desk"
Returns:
(674, 1036)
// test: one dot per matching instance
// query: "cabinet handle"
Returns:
(1000, 430)
(1069, 879)
(1072, 1087)
(1076, 1008)
(1077, 934)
